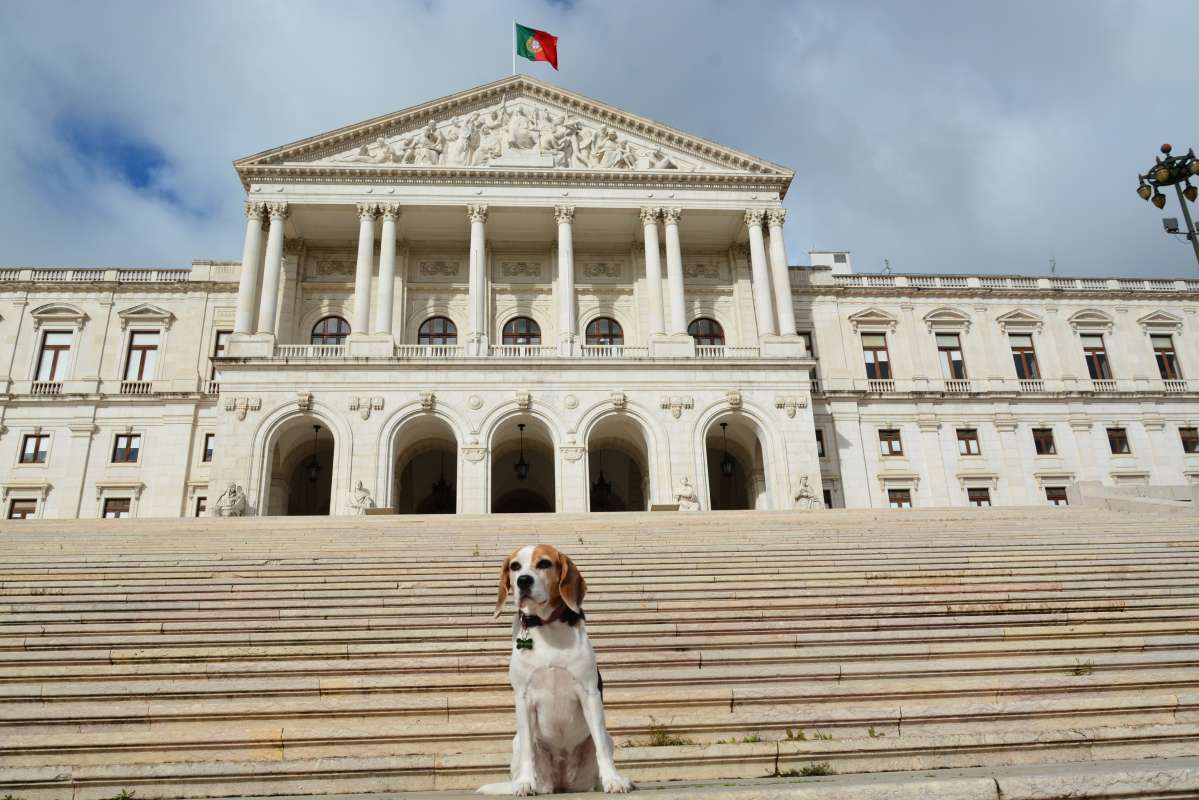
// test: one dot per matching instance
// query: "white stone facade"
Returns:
(518, 201)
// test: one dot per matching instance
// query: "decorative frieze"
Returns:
(675, 404)
(365, 405)
(240, 406)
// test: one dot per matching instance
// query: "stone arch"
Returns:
(769, 454)
(270, 434)
(425, 466)
(541, 490)
(325, 308)
(606, 308)
(522, 309)
(657, 443)
(418, 315)
(389, 443)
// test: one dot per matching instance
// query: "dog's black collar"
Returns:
(561, 614)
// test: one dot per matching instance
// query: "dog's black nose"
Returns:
(524, 581)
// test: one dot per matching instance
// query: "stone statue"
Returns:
(464, 140)
(685, 496)
(405, 151)
(360, 500)
(231, 503)
(521, 131)
(430, 145)
(611, 153)
(805, 498)
(364, 154)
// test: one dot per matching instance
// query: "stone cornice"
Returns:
(910, 293)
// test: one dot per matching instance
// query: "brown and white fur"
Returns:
(562, 742)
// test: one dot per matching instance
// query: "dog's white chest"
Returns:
(554, 700)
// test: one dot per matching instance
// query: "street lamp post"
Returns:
(1175, 171)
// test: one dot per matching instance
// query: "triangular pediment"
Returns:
(518, 123)
(1160, 321)
(872, 319)
(1019, 320)
(145, 313)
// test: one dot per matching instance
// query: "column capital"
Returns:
(368, 211)
(671, 215)
(776, 216)
(277, 210)
(390, 211)
(753, 216)
(650, 215)
(477, 213)
(255, 210)
(564, 214)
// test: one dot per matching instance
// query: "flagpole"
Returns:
(513, 46)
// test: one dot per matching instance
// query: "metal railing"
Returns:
(46, 388)
(1032, 385)
(313, 351)
(136, 387)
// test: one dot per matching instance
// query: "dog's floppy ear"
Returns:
(571, 586)
(502, 597)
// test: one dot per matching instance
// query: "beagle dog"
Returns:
(561, 743)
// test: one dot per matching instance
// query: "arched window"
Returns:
(437, 330)
(604, 330)
(330, 330)
(522, 330)
(706, 331)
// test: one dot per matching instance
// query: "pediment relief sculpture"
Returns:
(1092, 320)
(1020, 320)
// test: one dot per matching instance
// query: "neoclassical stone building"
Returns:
(520, 299)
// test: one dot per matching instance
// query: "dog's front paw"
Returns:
(615, 783)
(523, 788)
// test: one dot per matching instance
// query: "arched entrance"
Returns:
(736, 473)
(522, 467)
(301, 476)
(618, 465)
(426, 467)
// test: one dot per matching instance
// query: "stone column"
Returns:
(674, 272)
(251, 269)
(568, 321)
(364, 268)
(653, 270)
(781, 273)
(387, 269)
(763, 303)
(274, 264)
(477, 214)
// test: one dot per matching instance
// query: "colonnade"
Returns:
(258, 289)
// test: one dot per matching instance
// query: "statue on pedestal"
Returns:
(805, 498)
(231, 503)
(685, 496)
(360, 500)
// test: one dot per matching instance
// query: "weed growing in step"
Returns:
(806, 771)
(10, 797)
(660, 736)
(752, 739)
(824, 737)
(1083, 667)
(873, 734)
(124, 794)
(796, 735)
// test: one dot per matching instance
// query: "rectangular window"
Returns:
(1096, 356)
(889, 442)
(1024, 356)
(899, 498)
(828, 498)
(1056, 495)
(1117, 438)
(218, 349)
(819, 443)
(949, 349)
(968, 442)
(142, 357)
(209, 444)
(878, 361)
(35, 448)
(116, 507)
(201, 506)
(1167, 359)
(22, 509)
(1042, 440)
(1190, 439)
(979, 496)
(55, 357)
(126, 447)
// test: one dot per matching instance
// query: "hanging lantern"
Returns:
(727, 465)
(522, 466)
(313, 467)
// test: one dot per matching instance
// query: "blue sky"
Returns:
(943, 136)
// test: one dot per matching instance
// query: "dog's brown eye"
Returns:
(544, 563)
(514, 566)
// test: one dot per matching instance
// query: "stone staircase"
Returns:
(207, 658)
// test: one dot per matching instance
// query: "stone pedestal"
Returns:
(251, 345)
(370, 346)
(672, 346)
(782, 347)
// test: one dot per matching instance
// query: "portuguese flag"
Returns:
(536, 45)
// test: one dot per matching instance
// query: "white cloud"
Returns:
(944, 136)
